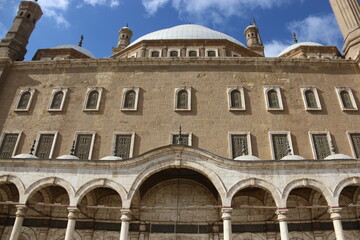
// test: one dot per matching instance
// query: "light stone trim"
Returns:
(188, 50)
(132, 144)
(348, 133)
(89, 90)
(212, 49)
(155, 50)
(125, 91)
(178, 50)
(93, 133)
(54, 91)
(352, 98)
(278, 91)
(22, 91)
(17, 141)
(317, 99)
(242, 96)
(271, 133)
(52, 145)
(311, 133)
(248, 139)
(188, 89)
(189, 134)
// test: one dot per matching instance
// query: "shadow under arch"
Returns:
(170, 164)
(96, 183)
(17, 182)
(255, 182)
(309, 183)
(352, 181)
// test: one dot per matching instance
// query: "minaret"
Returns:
(347, 13)
(125, 35)
(253, 39)
(13, 46)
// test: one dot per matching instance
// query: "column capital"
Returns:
(73, 212)
(21, 210)
(335, 213)
(125, 215)
(281, 212)
(226, 213)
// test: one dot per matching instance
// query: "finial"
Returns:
(81, 40)
(180, 139)
(127, 25)
(254, 21)
(72, 151)
(32, 148)
(295, 38)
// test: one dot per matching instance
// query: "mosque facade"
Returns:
(183, 134)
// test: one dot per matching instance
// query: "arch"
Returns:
(255, 182)
(273, 98)
(24, 100)
(155, 54)
(310, 99)
(305, 182)
(182, 99)
(159, 166)
(235, 97)
(343, 184)
(130, 97)
(92, 100)
(174, 53)
(211, 53)
(248, 236)
(96, 183)
(60, 235)
(299, 235)
(50, 181)
(346, 99)
(17, 182)
(57, 100)
(347, 235)
(106, 235)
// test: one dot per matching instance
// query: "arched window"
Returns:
(24, 101)
(192, 54)
(57, 100)
(310, 99)
(92, 100)
(155, 54)
(236, 99)
(130, 98)
(182, 99)
(346, 99)
(211, 54)
(174, 54)
(273, 99)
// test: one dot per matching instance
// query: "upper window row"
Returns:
(236, 99)
(155, 53)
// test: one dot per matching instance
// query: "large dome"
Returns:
(77, 48)
(187, 31)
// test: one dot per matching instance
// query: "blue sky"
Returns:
(64, 21)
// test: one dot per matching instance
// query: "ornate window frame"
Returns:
(54, 91)
(53, 143)
(93, 133)
(125, 91)
(267, 104)
(248, 139)
(89, 90)
(132, 144)
(328, 136)
(212, 49)
(317, 99)
(242, 97)
(174, 50)
(349, 133)
(155, 50)
(188, 89)
(188, 50)
(17, 141)
(22, 91)
(190, 134)
(272, 149)
(351, 95)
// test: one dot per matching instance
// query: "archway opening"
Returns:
(9, 196)
(177, 204)
(253, 214)
(349, 201)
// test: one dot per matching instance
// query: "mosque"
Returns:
(183, 134)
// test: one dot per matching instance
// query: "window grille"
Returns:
(123, 146)
(155, 54)
(355, 140)
(182, 101)
(8, 145)
(24, 100)
(192, 54)
(239, 145)
(183, 141)
(57, 100)
(346, 100)
(130, 99)
(235, 99)
(321, 144)
(174, 54)
(83, 145)
(92, 101)
(280, 145)
(273, 99)
(44, 146)
(211, 54)
(310, 99)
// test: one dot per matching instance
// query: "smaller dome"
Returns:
(68, 157)
(294, 46)
(111, 158)
(247, 158)
(338, 156)
(77, 48)
(26, 156)
(293, 157)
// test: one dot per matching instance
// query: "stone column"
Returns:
(226, 216)
(125, 224)
(73, 213)
(20, 215)
(282, 218)
(336, 218)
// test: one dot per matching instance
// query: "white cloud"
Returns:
(110, 3)
(273, 48)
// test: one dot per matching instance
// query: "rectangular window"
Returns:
(123, 146)
(281, 144)
(84, 144)
(8, 144)
(355, 142)
(321, 145)
(45, 144)
(186, 138)
(239, 145)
